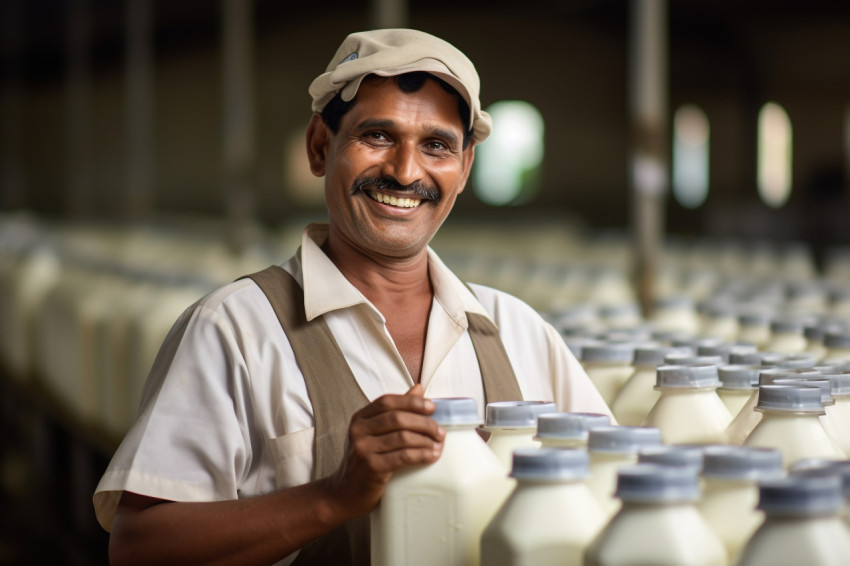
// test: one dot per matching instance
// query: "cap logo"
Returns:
(350, 57)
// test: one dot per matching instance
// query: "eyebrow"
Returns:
(369, 123)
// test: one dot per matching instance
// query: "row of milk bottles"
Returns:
(570, 489)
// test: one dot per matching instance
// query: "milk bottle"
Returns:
(829, 418)
(658, 523)
(730, 491)
(789, 423)
(675, 313)
(820, 467)
(754, 328)
(786, 336)
(837, 344)
(838, 423)
(638, 396)
(567, 430)
(724, 350)
(720, 320)
(689, 410)
(687, 456)
(435, 514)
(802, 524)
(551, 516)
(608, 366)
(738, 383)
(511, 425)
(611, 448)
(814, 334)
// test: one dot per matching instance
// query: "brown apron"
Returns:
(335, 397)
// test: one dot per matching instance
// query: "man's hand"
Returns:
(391, 433)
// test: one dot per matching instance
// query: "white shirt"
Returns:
(225, 412)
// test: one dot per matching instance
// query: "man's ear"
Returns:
(318, 139)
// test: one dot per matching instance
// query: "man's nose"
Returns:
(404, 164)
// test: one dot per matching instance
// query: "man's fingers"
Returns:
(393, 421)
(411, 402)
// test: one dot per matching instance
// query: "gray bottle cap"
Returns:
(673, 302)
(577, 344)
(650, 483)
(787, 325)
(839, 381)
(724, 350)
(654, 355)
(814, 333)
(741, 463)
(801, 496)
(738, 376)
(755, 318)
(769, 375)
(690, 376)
(672, 455)
(837, 339)
(455, 411)
(790, 399)
(669, 336)
(813, 467)
(549, 464)
(569, 425)
(798, 361)
(820, 382)
(622, 439)
(745, 358)
(516, 413)
(622, 352)
(685, 359)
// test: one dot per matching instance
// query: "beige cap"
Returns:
(390, 52)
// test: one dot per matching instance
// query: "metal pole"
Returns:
(139, 110)
(648, 173)
(239, 121)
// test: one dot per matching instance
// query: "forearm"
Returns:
(260, 530)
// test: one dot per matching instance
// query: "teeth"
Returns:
(394, 201)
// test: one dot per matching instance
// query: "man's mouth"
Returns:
(401, 202)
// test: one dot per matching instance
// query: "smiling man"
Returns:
(280, 405)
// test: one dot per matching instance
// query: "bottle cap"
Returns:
(787, 325)
(745, 358)
(798, 361)
(755, 318)
(622, 439)
(455, 411)
(814, 333)
(724, 350)
(651, 483)
(801, 496)
(673, 302)
(790, 399)
(839, 382)
(837, 338)
(687, 376)
(516, 413)
(654, 355)
(741, 463)
(622, 352)
(769, 375)
(549, 464)
(569, 425)
(820, 382)
(689, 359)
(738, 376)
(577, 344)
(672, 455)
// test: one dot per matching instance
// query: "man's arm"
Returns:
(390, 433)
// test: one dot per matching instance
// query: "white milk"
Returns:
(658, 523)
(568, 430)
(611, 448)
(551, 516)
(608, 366)
(786, 336)
(435, 514)
(738, 383)
(512, 425)
(730, 491)
(790, 423)
(638, 395)
(802, 524)
(689, 410)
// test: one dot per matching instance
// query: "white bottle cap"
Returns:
(801, 496)
(790, 399)
(541, 464)
(455, 411)
(622, 439)
(569, 425)
(820, 382)
(619, 352)
(687, 376)
(516, 413)
(741, 463)
(738, 376)
(650, 483)
(672, 455)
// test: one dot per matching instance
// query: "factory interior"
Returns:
(644, 152)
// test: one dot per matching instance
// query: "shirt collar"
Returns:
(326, 289)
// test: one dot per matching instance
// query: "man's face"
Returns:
(394, 168)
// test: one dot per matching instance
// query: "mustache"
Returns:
(422, 190)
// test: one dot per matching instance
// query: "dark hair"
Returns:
(334, 110)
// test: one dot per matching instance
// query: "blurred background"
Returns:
(152, 150)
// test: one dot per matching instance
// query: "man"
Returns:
(280, 405)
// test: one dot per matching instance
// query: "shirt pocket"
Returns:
(293, 458)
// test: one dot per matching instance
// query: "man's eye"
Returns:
(436, 146)
(375, 136)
